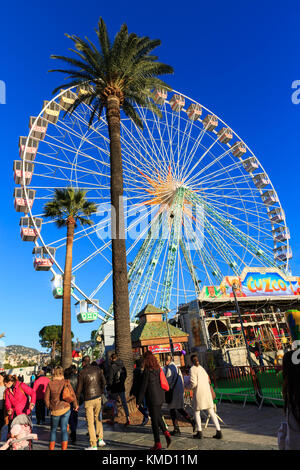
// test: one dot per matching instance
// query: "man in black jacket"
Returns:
(91, 384)
(116, 383)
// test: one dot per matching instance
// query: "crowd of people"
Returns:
(95, 384)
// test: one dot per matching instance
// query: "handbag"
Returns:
(163, 381)
(67, 394)
(169, 394)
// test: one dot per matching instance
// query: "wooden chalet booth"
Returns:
(153, 334)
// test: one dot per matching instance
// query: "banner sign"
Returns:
(264, 282)
(165, 348)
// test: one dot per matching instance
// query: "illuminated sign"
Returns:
(165, 348)
(266, 282)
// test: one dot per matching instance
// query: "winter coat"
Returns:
(151, 389)
(117, 375)
(40, 386)
(200, 384)
(91, 383)
(137, 382)
(171, 373)
(53, 397)
(17, 399)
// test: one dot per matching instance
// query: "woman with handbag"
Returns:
(58, 397)
(151, 389)
(174, 397)
(202, 397)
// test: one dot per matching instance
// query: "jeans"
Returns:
(63, 421)
(123, 400)
(143, 409)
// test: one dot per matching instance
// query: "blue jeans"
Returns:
(123, 400)
(63, 421)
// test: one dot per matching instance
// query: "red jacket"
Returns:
(39, 387)
(17, 400)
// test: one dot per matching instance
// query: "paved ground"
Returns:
(244, 429)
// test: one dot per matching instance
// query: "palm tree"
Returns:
(67, 208)
(119, 75)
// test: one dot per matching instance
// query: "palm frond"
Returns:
(126, 65)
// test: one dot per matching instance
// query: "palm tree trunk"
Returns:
(66, 345)
(53, 351)
(120, 283)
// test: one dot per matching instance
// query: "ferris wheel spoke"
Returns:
(186, 142)
(244, 240)
(220, 207)
(205, 257)
(201, 158)
(204, 169)
(155, 148)
(149, 162)
(86, 183)
(235, 198)
(163, 149)
(80, 168)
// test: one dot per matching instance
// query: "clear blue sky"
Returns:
(237, 58)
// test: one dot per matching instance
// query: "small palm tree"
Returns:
(68, 207)
(119, 75)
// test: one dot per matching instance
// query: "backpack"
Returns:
(119, 377)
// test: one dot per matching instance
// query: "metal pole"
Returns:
(242, 325)
(170, 339)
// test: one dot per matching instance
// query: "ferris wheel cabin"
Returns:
(238, 149)
(43, 259)
(282, 253)
(18, 172)
(160, 96)
(281, 234)
(276, 215)
(86, 312)
(31, 149)
(38, 128)
(177, 102)
(250, 164)
(28, 231)
(261, 180)
(67, 99)
(194, 111)
(51, 113)
(20, 202)
(225, 135)
(269, 197)
(57, 285)
(210, 122)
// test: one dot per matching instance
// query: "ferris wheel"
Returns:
(198, 203)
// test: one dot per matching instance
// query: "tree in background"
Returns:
(121, 74)
(68, 207)
(50, 338)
